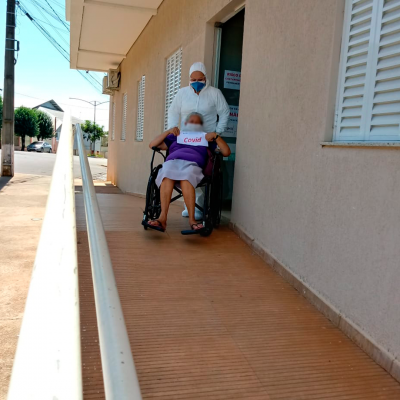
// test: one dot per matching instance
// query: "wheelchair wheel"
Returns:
(212, 204)
(216, 202)
(207, 212)
(153, 205)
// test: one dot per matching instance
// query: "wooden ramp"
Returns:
(208, 319)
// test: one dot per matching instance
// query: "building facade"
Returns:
(314, 183)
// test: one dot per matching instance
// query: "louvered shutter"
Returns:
(173, 81)
(368, 96)
(355, 72)
(384, 107)
(124, 112)
(113, 122)
(140, 109)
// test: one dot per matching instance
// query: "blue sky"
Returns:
(41, 72)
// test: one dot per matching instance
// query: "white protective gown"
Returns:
(210, 103)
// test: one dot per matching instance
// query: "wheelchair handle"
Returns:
(156, 150)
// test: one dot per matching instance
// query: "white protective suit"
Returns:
(210, 103)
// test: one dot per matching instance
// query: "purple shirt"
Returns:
(196, 154)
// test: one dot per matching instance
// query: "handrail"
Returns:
(47, 364)
(119, 374)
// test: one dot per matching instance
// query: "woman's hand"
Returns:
(159, 140)
(211, 136)
(174, 131)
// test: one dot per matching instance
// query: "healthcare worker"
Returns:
(204, 99)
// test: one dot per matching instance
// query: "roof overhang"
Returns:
(102, 32)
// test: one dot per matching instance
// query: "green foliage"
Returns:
(26, 123)
(92, 131)
(45, 125)
(1, 112)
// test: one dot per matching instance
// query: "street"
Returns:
(23, 202)
(43, 163)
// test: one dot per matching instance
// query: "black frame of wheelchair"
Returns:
(212, 184)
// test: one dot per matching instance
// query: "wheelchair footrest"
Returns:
(191, 232)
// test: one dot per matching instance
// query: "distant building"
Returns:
(51, 108)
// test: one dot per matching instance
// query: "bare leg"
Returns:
(190, 198)
(166, 188)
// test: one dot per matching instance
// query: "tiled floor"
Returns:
(207, 319)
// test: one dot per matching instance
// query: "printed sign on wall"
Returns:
(232, 80)
(192, 138)
(231, 129)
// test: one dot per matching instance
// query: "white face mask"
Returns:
(193, 127)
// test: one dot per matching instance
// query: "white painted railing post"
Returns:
(47, 364)
(119, 374)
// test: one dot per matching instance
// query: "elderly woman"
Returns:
(202, 98)
(184, 167)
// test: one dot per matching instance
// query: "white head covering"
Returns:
(199, 66)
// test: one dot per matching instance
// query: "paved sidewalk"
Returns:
(209, 320)
(22, 207)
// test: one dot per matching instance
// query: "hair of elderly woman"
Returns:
(193, 114)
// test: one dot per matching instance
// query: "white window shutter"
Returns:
(384, 106)
(355, 71)
(124, 112)
(368, 104)
(113, 121)
(140, 109)
(173, 81)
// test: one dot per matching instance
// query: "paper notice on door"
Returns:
(231, 128)
(232, 80)
(192, 138)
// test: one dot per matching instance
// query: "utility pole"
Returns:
(93, 103)
(7, 134)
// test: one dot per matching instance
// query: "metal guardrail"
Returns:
(120, 379)
(48, 364)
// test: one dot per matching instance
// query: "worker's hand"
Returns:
(210, 136)
(175, 131)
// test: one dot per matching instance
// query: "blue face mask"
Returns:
(197, 86)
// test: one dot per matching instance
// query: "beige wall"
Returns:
(330, 215)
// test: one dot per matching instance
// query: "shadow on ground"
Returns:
(4, 181)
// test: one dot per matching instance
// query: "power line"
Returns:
(88, 75)
(37, 5)
(54, 42)
(65, 104)
(54, 27)
(57, 15)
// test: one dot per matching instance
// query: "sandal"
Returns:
(158, 227)
(197, 224)
(194, 231)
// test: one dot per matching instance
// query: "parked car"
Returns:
(42, 147)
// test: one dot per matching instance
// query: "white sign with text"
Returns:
(232, 80)
(192, 138)
(231, 128)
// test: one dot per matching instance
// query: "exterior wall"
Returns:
(177, 24)
(329, 214)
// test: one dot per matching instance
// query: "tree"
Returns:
(93, 132)
(26, 124)
(45, 125)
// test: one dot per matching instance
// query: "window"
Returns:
(113, 121)
(368, 103)
(140, 109)
(124, 111)
(174, 66)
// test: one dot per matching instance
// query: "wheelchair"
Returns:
(212, 184)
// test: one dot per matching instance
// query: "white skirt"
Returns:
(180, 170)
